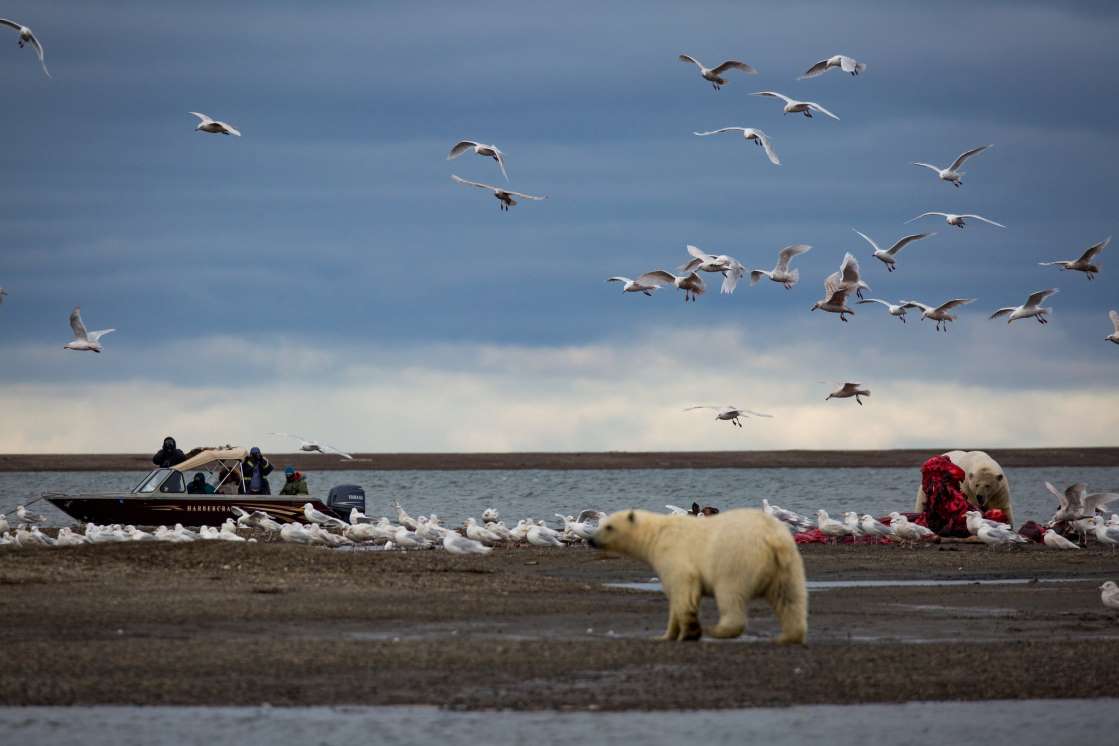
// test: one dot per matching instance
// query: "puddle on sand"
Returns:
(831, 585)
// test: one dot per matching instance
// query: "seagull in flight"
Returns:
(486, 151)
(848, 277)
(1032, 307)
(1114, 336)
(730, 268)
(957, 220)
(691, 283)
(729, 413)
(633, 286)
(749, 133)
(715, 74)
(504, 196)
(1084, 263)
(26, 36)
(888, 256)
(835, 298)
(781, 273)
(939, 314)
(835, 62)
(84, 341)
(953, 173)
(848, 390)
(313, 446)
(897, 310)
(792, 106)
(213, 126)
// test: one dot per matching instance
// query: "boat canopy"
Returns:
(209, 456)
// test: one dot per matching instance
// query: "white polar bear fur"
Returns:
(985, 485)
(734, 556)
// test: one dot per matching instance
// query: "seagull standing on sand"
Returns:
(848, 390)
(992, 536)
(729, 413)
(888, 256)
(486, 151)
(691, 283)
(792, 106)
(633, 286)
(84, 341)
(975, 520)
(213, 126)
(792, 518)
(835, 62)
(830, 527)
(953, 173)
(714, 75)
(541, 537)
(314, 446)
(781, 273)
(1083, 264)
(480, 534)
(1114, 336)
(730, 268)
(871, 526)
(1054, 540)
(504, 196)
(907, 531)
(1109, 595)
(457, 544)
(939, 314)
(316, 516)
(957, 220)
(749, 133)
(27, 37)
(894, 310)
(1032, 307)
(27, 516)
(1105, 534)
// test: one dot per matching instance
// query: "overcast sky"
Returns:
(322, 273)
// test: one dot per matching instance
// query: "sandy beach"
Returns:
(219, 624)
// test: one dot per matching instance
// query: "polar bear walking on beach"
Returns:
(734, 556)
(985, 485)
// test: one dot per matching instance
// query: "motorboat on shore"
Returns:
(167, 496)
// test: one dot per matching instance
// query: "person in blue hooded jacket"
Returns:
(256, 469)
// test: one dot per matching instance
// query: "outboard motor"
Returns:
(345, 497)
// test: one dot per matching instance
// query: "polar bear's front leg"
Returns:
(732, 611)
(683, 594)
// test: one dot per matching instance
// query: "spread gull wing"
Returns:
(822, 110)
(230, 129)
(336, 451)
(903, 242)
(848, 65)
(734, 65)
(521, 194)
(1061, 499)
(837, 297)
(460, 147)
(850, 269)
(1114, 316)
(929, 166)
(699, 253)
(767, 146)
(832, 282)
(94, 336)
(76, 323)
(689, 58)
(868, 239)
(501, 163)
(657, 277)
(876, 300)
(202, 117)
(786, 254)
(618, 279)
(948, 305)
(915, 304)
(1003, 312)
(461, 180)
(700, 406)
(927, 214)
(720, 131)
(756, 414)
(819, 68)
(1091, 253)
(1092, 503)
(1036, 299)
(773, 94)
(964, 156)
(10, 24)
(985, 220)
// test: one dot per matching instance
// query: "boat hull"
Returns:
(187, 509)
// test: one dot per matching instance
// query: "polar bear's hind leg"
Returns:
(732, 611)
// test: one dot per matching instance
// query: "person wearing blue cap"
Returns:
(256, 470)
(295, 484)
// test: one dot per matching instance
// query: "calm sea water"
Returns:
(454, 495)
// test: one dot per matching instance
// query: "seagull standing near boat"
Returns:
(953, 173)
(1085, 264)
(729, 413)
(84, 341)
(835, 62)
(504, 196)
(940, 314)
(214, 126)
(486, 151)
(27, 37)
(316, 516)
(781, 273)
(749, 133)
(714, 75)
(792, 106)
(957, 220)
(889, 256)
(849, 390)
(1032, 307)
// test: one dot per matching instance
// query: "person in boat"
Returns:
(295, 483)
(169, 455)
(256, 470)
(230, 484)
(199, 485)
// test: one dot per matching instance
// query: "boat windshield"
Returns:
(153, 480)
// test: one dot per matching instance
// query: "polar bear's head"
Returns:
(984, 483)
(623, 531)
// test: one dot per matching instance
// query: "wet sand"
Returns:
(905, 458)
(219, 624)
